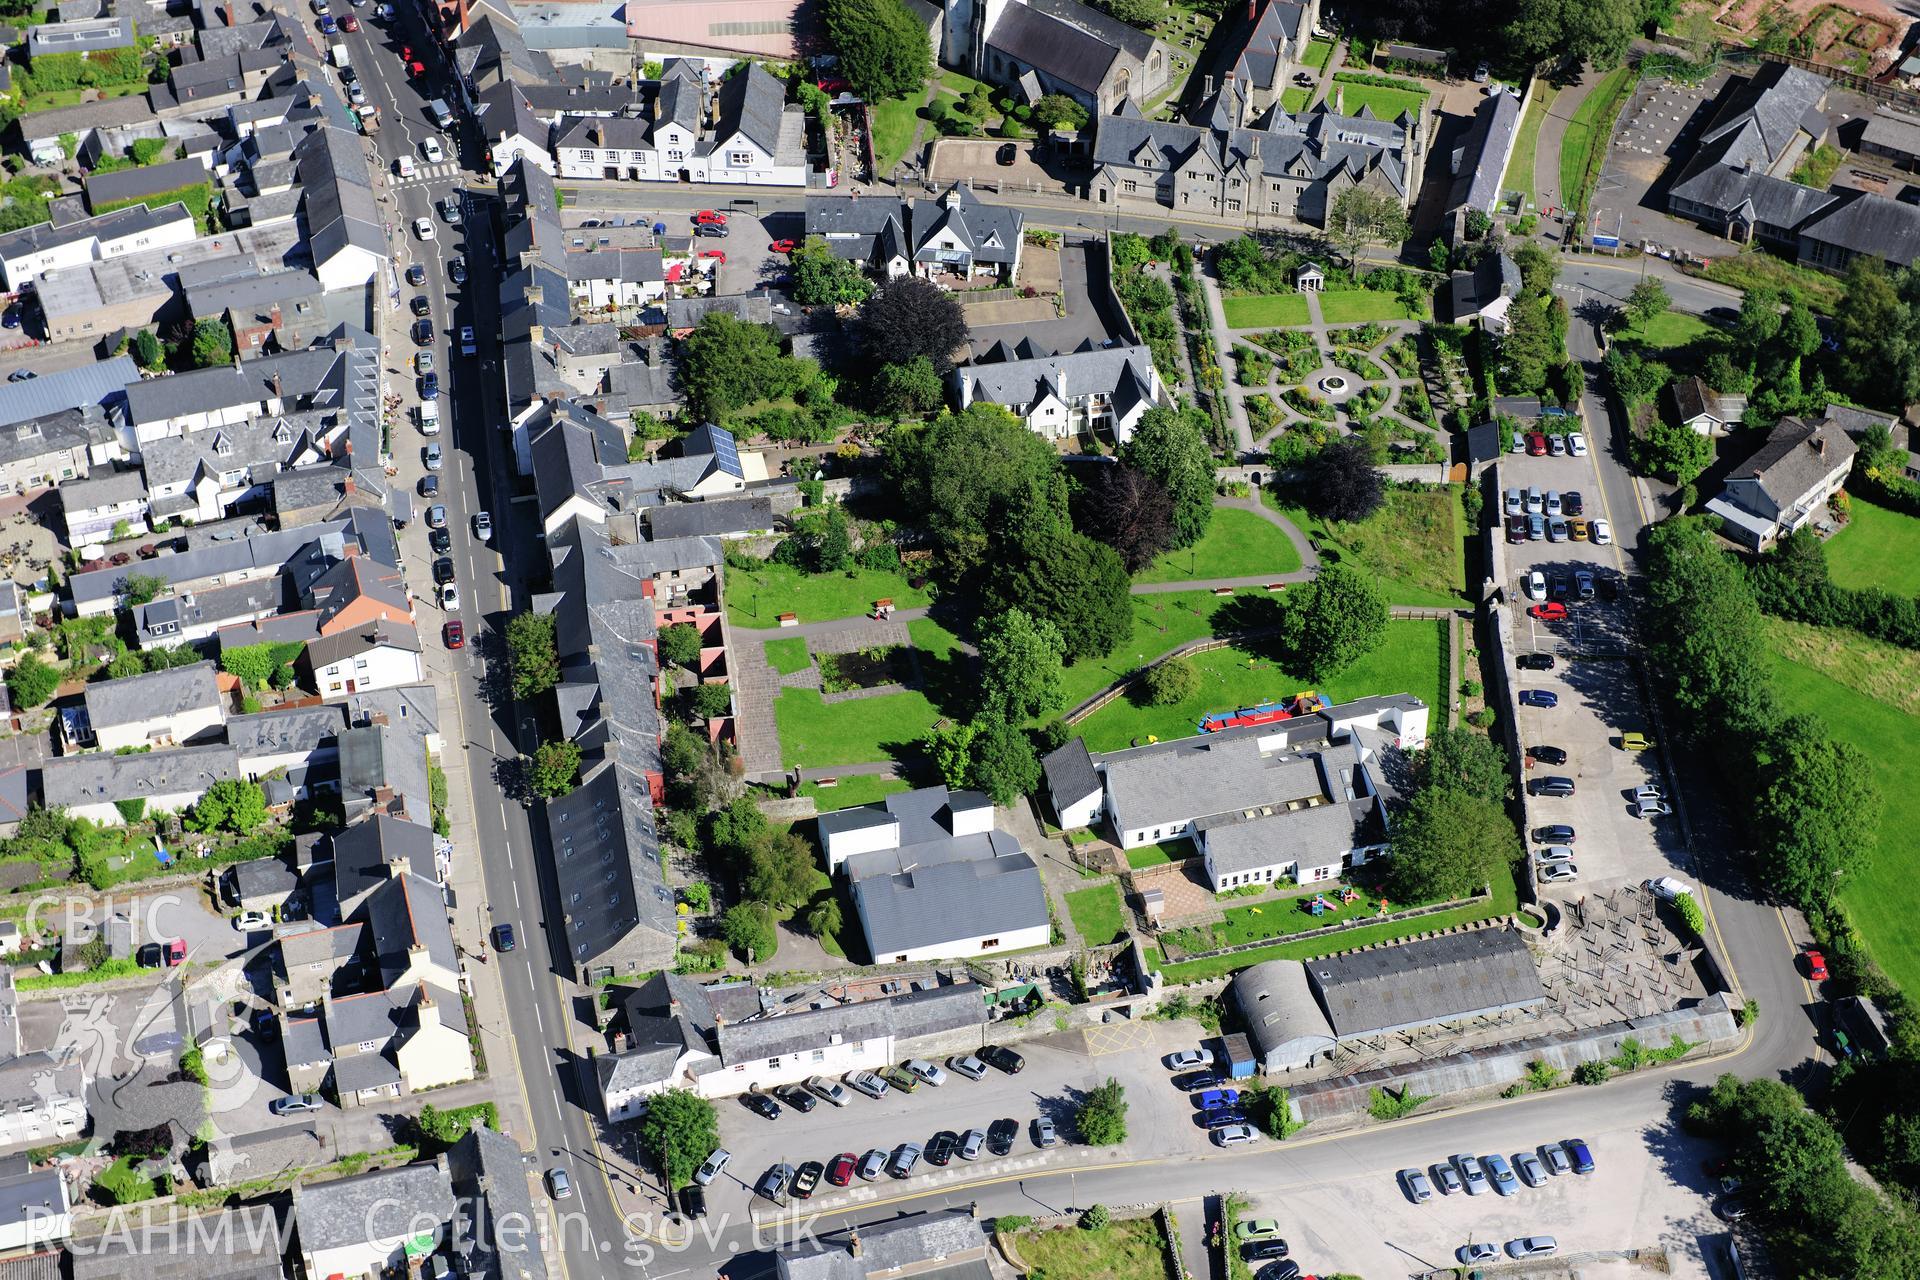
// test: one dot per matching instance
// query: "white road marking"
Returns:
(540, 1021)
(516, 893)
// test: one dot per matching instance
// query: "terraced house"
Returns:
(741, 130)
(1291, 168)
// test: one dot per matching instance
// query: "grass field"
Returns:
(859, 789)
(788, 656)
(1295, 100)
(1671, 329)
(1879, 548)
(1413, 544)
(1757, 269)
(819, 735)
(1409, 660)
(1385, 103)
(893, 123)
(1585, 145)
(1357, 306)
(1519, 175)
(1096, 914)
(757, 597)
(1160, 623)
(1238, 544)
(1871, 668)
(1315, 56)
(1882, 899)
(1505, 899)
(1126, 1250)
(1265, 311)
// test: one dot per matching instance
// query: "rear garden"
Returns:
(927, 682)
(1878, 548)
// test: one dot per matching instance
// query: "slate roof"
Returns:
(991, 233)
(1872, 225)
(1494, 276)
(62, 431)
(1318, 835)
(1753, 132)
(151, 695)
(263, 877)
(1412, 984)
(286, 730)
(1273, 38)
(80, 387)
(305, 379)
(102, 487)
(340, 1214)
(1484, 154)
(324, 651)
(1061, 48)
(406, 912)
(1893, 131)
(703, 1005)
(970, 888)
(1069, 772)
(362, 851)
(752, 102)
(1796, 457)
(223, 1248)
(902, 1245)
(340, 207)
(687, 313)
(488, 1163)
(1312, 146)
(713, 517)
(97, 778)
(904, 1017)
(1069, 375)
(658, 1044)
(85, 36)
(143, 181)
(106, 113)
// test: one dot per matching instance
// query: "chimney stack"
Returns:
(853, 1242)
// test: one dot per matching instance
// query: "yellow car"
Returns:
(1634, 742)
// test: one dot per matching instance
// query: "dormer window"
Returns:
(222, 446)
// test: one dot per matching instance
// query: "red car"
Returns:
(718, 255)
(1816, 965)
(416, 70)
(840, 1170)
(1537, 444)
(349, 23)
(1551, 611)
(833, 84)
(406, 53)
(708, 218)
(783, 246)
(456, 635)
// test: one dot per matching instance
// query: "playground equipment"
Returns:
(1304, 703)
(1319, 905)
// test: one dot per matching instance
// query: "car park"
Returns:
(797, 1098)
(840, 1169)
(832, 1090)
(1528, 1166)
(1477, 1252)
(1531, 1247)
(1534, 662)
(868, 1083)
(967, 1065)
(1445, 1177)
(1504, 1183)
(1002, 1059)
(1471, 1173)
(1559, 873)
(806, 1179)
(871, 1165)
(712, 1166)
(972, 1143)
(1415, 1184)
(924, 1070)
(905, 1158)
(1043, 1132)
(1545, 698)
(1234, 1135)
(1000, 1136)
(773, 1183)
(761, 1105)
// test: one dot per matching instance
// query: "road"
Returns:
(1632, 1120)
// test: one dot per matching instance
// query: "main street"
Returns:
(1632, 1122)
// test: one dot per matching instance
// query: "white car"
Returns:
(1558, 873)
(404, 167)
(1667, 887)
(423, 228)
(1481, 1252)
(356, 95)
(1531, 1247)
(1651, 808)
(483, 526)
(467, 347)
(430, 151)
(921, 1069)
(1648, 791)
(248, 921)
(1600, 533)
(710, 1170)
(1536, 585)
(1553, 853)
(1576, 444)
(967, 1065)
(1188, 1059)
(450, 597)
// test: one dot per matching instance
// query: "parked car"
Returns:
(457, 271)
(773, 1183)
(1555, 1157)
(1220, 1117)
(1043, 1132)
(1583, 584)
(1516, 528)
(941, 1146)
(1556, 529)
(1556, 785)
(1536, 528)
(559, 1183)
(467, 346)
(1504, 1183)
(1518, 444)
(423, 333)
(1634, 741)
(1578, 529)
(901, 1080)
(905, 1158)
(1183, 1059)
(429, 486)
(1545, 698)
(1601, 533)
(1557, 446)
(924, 1070)
(1576, 444)
(1531, 1247)
(1578, 1152)
(1262, 1250)
(832, 1090)
(295, 1104)
(1286, 1269)
(1234, 1135)
(1534, 662)
(1415, 1184)
(807, 1179)
(1571, 503)
(1256, 1229)
(1816, 965)
(1195, 1080)
(1548, 755)
(1515, 503)
(868, 1083)
(972, 1143)
(483, 526)
(1651, 808)
(1471, 1173)
(797, 1098)
(1006, 154)
(712, 1166)
(1559, 873)
(840, 1169)
(709, 218)
(783, 246)
(248, 921)
(760, 1104)
(967, 1065)
(1002, 1059)
(693, 1202)
(1537, 445)
(1536, 585)
(1000, 1136)
(1551, 611)
(453, 635)
(1478, 1252)
(416, 275)
(1445, 1177)
(1528, 1166)
(1553, 853)
(871, 1165)
(1214, 1098)
(1557, 833)
(714, 230)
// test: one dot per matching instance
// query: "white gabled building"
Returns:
(1104, 390)
(752, 136)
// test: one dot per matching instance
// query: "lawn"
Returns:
(1159, 855)
(818, 735)
(1671, 329)
(1409, 660)
(1315, 56)
(1385, 103)
(893, 123)
(1294, 101)
(1505, 899)
(1878, 548)
(1881, 899)
(1160, 623)
(1519, 175)
(123, 1185)
(1127, 1250)
(1413, 544)
(1096, 914)
(1585, 146)
(789, 655)
(1357, 306)
(757, 597)
(1238, 544)
(861, 788)
(1266, 311)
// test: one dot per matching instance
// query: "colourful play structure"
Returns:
(1264, 713)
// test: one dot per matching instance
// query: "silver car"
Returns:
(968, 1065)
(1556, 1158)
(1532, 1247)
(1471, 1173)
(1527, 1165)
(1445, 1177)
(870, 1084)
(1415, 1184)
(971, 1144)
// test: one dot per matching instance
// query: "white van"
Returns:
(404, 166)
(429, 414)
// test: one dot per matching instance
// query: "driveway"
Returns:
(1082, 264)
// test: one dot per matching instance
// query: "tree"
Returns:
(1020, 666)
(32, 681)
(1170, 445)
(556, 768)
(1170, 682)
(1341, 482)
(1672, 451)
(1135, 13)
(883, 47)
(780, 869)
(824, 919)
(142, 588)
(252, 663)
(1878, 330)
(909, 388)
(965, 473)
(951, 750)
(1635, 378)
(130, 663)
(532, 655)
(1332, 622)
(1464, 760)
(212, 343)
(822, 278)
(912, 317)
(1066, 579)
(1361, 216)
(230, 804)
(147, 351)
(682, 751)
(1004, 764)
(1816, 809)
(727, 364)
(1058, 111)
(679, 1130)
(1572, 30)
(748, 929)
(1449, 843)
(1647, 302)
(680, 645)
(1711, 647)
(1128, 510)
(713, 700)
(1102, 1116)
